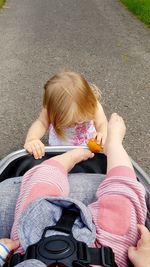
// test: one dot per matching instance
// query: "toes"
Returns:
(88, 154)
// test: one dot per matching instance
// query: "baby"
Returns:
(72, 113)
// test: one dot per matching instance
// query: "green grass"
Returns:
(2, 2)
(141, 8)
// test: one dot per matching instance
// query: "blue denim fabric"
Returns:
(9, 191)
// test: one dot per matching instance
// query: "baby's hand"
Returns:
(35, 148)
(140, 255)
(6, 246)
(100, 137)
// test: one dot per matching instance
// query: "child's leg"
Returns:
(50, 177)
(116, 154)
(47, 179)
(69, 159)
(120, 201)
(44, 180)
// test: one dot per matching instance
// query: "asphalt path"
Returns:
(98, 38)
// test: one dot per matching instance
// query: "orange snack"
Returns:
(93, 146)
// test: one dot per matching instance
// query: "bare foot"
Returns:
(79, 154)
(72, 157)
(116, 131)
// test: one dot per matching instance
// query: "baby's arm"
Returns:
(100, 125)
(37, 130)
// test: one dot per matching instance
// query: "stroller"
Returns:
(89, 174)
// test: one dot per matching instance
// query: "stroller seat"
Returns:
(88, 174)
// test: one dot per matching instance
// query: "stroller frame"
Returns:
(50, 151)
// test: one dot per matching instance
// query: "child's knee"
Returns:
(42, 191)
(114, 214)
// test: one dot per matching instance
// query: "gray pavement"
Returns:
(99, 38)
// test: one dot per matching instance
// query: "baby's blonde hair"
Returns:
(69, 99)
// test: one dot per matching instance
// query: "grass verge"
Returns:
(2, 2)
(141, 8)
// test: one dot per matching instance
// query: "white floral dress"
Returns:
(76, 136)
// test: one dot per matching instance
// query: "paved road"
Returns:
(98, 38)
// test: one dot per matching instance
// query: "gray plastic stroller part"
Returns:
(141, 174)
